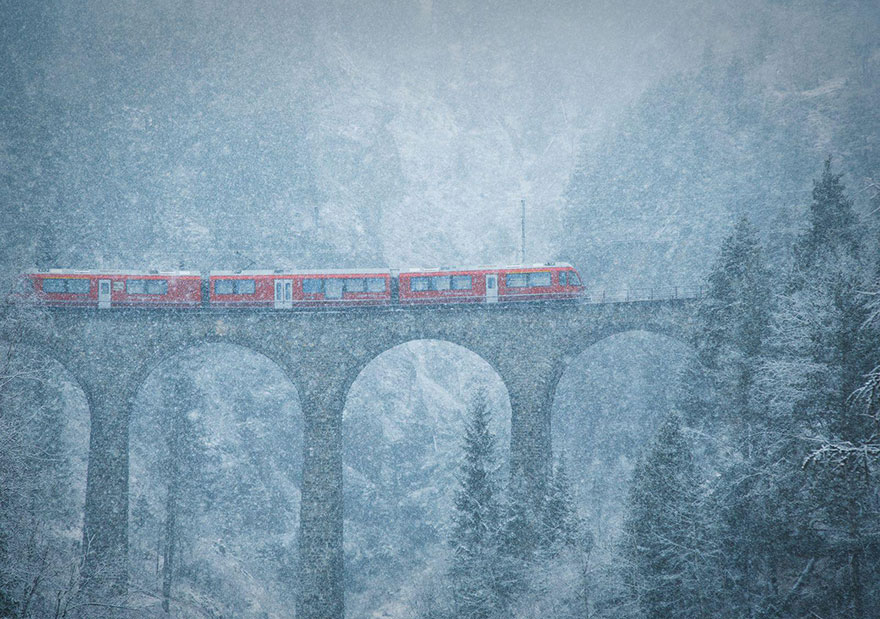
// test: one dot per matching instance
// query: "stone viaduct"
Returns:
(111, 352)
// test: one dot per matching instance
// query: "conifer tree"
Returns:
(831, 220)
(665, 540)
(519, 539)
(476, 520)
(818, 356)
(561, 526)
(731, 339)
(731, 331)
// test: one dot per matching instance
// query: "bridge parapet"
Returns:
(626, 295)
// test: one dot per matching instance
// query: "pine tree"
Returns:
(819, 354)
(731, 334)
(665, 540)
(519, 533)
(476, 520)
(561, 526)
(732, 326)
(831, 220)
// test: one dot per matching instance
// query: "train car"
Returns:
(445, 285)
(499, 284)
(300, 289)
(550, 282)
(106, 289)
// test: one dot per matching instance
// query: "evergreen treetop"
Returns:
(561, 524)
(831, 221)
(737, 307)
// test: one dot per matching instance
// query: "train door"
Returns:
(395, 288)
(103, 293)
(492, 288)
(283, 293)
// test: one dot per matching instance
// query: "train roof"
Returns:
(304, 272)
(365, 271)
(503, 267)
(111, 272)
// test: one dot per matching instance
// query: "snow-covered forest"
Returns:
(730, 146)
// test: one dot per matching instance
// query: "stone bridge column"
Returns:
(108, 388)
(531, 381)
(322, 389)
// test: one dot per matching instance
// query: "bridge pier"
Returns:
(531, 382)
(322, 390)
(105, 522)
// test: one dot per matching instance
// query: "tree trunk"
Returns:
(856, 584)
(170, 539)
(170, 525)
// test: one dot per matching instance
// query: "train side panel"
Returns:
(181, 291)
(136, 290)
(342, 290)
(242, 290)
(515, 284)
(439, 287)
(535, 284)
(307, 290)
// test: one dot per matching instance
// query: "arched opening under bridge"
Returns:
(403, 429)
(608, 404)
(214, 484)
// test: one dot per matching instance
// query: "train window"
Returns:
(376, 284)
(157, 286)
(54, 285)
(539, 279)
(313, 286)
(573, 279)
(440, 282)
(333, 288)
(420, 284)
(146, 286)
(462, 282)
(224, 286)
(229, 286)
(245, 286)
(356, 284)
(516, 280)
(78, 286)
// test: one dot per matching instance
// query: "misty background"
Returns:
(405, 133)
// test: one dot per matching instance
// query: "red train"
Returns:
(304, 289)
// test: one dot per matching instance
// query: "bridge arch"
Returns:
(409, 404)
(245, 410)
(606, 406)
(167, 349)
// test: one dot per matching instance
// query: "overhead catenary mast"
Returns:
(523, 241)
